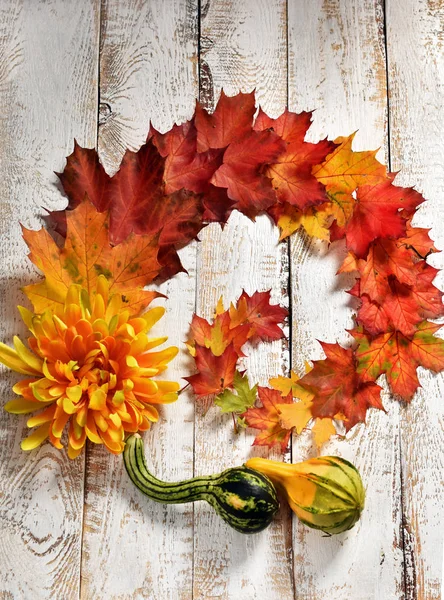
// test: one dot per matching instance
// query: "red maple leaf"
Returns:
(136, 187)
(399, 356)
(230, 121)
(386, 258)
(267, 419)
(376, 214)
(215, 372)
(217, 205)
(404, 306)
(291, 127)
(184, 166)
(257, 311)
(291, 174)
(337, 388)
(241, 171)
(84, 174)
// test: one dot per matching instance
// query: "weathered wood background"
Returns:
(99, 72)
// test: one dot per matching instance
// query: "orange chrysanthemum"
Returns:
(91, 368)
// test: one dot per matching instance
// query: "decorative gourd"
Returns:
(242, 497)
(326, 492)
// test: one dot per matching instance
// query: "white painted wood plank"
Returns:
(48, 91)
(135, 548)
(243, 46)
(337, 66)
(416, 84)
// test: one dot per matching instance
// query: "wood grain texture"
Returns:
(243, 47)
(134, 548)
(415, 45)
(337, 66)
(48, 82)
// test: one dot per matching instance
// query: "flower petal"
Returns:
(20, 406)
(36, 438)
(12, 360)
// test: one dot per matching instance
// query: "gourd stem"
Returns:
(198, 488)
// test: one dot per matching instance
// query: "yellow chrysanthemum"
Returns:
(90, 366)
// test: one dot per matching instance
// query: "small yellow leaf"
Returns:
(220, 306)
(322, 430)
(315, 220)
(285, 385)
(295, 415)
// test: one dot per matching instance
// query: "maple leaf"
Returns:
(376, 214)
(217, 205)
(418, 239)
(291, 127)
(135, 187)
(215, 373)
(296, 415)
(138, 203)
(290, 384)
(299, 414)
(398, 356)
(218, 335)
(238, 402)
(241, 173)
(291, 174)
(86, 254)
(323, 430)
(343, 171)
(257, 311)
(337, 388)
(267, 419)
(404, 306)
(349, 264)
(314, 219)
(386, 258)
(184, 166)
(231, 120)
(84, 174)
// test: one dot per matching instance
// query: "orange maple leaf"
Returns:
(291, 173)
(398, 356)
(267, 418)
(337, 388)
(86, 254)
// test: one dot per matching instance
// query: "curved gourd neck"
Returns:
(198, 488)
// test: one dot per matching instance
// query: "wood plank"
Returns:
(243, 46)
(337, 66)
(48, 92)
(134, 548)
(416, 81)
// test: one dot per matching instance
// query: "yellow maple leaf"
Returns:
(217, 341)
(315, 220)
(285, 385)
(343, 171)
(295, 415)
(322, 431)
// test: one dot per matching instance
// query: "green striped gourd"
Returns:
(242, 497)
